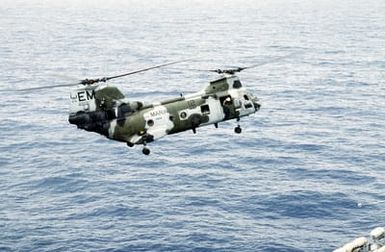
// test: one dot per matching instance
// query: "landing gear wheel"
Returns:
(146, 151)
(129, 144)
(238, 129)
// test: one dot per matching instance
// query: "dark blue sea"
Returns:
(306, 174)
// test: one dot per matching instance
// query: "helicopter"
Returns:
(96, 106)
(104, 109)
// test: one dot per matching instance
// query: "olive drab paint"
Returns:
(104, 109)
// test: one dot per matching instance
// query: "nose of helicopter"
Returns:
(257, 106)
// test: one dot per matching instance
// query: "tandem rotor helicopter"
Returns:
(99, 107)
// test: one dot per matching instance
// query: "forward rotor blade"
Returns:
(234, 70)
(269, 61)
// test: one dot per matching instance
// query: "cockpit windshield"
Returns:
(237, 84)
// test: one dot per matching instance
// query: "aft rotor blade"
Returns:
(42, 87)
(145, 69)
(93, 81)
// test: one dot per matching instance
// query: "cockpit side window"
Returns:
(205, 109)
(237, 84)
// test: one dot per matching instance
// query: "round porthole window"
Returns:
(183, 115)
(150, 123)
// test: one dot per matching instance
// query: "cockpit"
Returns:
(223, 84)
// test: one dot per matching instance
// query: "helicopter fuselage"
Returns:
(105, 110)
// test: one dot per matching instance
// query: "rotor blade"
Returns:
(269, 61)
(145, 69)
(234, 70)
(42, 87)
(92, 81)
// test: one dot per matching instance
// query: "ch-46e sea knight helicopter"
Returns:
(98, 107)
(104, 109)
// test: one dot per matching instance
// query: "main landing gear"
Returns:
(146, 151)
(238, 129)
(145, 139)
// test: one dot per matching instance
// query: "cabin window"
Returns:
(150, 123)
(205, 109)
(183, 115)
(237, 84)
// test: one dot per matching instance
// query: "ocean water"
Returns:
(306, 174)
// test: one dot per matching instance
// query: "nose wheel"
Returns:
(238, 129)
(146, 151)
